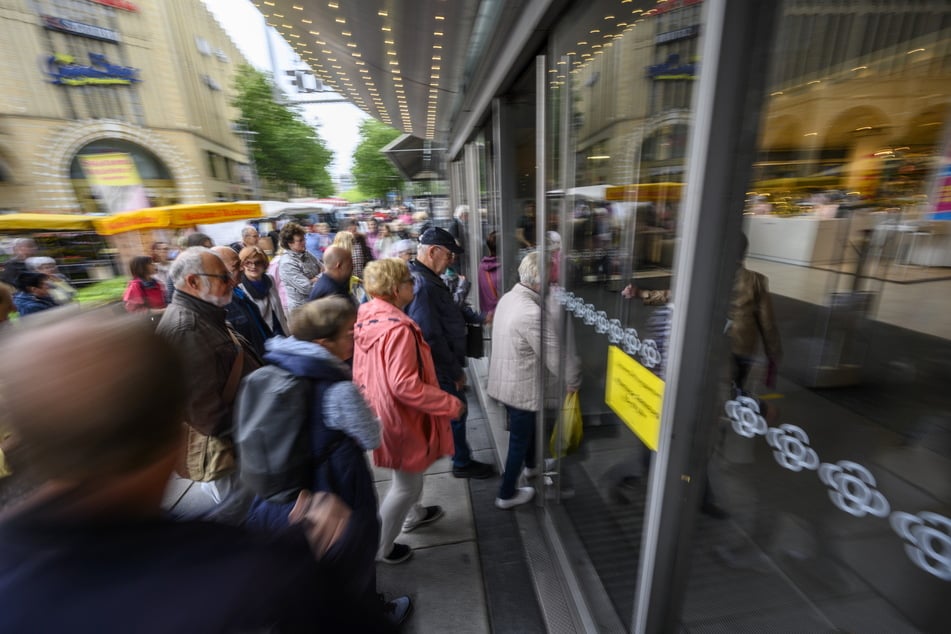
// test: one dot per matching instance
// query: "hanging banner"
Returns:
(114, 181)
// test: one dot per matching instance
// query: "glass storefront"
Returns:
(820, 498)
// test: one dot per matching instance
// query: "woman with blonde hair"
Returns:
(393, 367)
(262, 288)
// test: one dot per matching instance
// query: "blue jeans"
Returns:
(462, 455)
(521, 448)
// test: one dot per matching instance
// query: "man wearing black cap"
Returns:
(444, 326)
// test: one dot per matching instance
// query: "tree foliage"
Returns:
(373, 172)
(287, 150)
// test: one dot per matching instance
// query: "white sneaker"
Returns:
(522, 495)
(534, 472)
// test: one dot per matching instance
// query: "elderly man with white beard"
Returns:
(216, 358)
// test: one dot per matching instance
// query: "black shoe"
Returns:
(399, 554)
(397, 610)
(475, 469)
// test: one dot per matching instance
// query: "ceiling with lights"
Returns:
(399, 61)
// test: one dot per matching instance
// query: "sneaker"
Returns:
(475, 469)
(397, 610)
(432, 514)
(532, 472)
(522, 495)
(399, 554)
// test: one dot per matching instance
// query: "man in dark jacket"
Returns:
(335, 280)
(23, 248)
(444, 326)
(215, 360)
(93, 464)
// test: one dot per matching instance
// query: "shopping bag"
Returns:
(566, 437)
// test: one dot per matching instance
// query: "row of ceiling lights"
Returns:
(332, 72)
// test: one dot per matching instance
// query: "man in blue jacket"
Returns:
(444, 326)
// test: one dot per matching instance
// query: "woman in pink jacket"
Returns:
(393, 367)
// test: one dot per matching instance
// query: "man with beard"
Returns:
(216, 359)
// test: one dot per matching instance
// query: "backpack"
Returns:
(271, 434)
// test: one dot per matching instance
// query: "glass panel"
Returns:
(829, 505)
(621, 76)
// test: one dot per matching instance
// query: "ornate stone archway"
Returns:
(54, 155)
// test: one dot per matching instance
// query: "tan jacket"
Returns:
(751, 317)
(516, 348)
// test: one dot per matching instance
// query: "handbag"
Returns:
(569, 428)
(475, 344)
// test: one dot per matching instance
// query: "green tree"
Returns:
(373, 172)
(287, 151)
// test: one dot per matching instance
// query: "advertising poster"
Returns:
(114, 181)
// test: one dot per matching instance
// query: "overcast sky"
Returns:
(337, 122)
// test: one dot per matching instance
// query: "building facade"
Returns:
(117, 103)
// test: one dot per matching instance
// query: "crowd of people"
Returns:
(377, 348)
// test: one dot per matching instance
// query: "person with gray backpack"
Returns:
(301, 424)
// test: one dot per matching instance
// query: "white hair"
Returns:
(460, 210)
(187, 263)
(36, 262)
(528, 271)
(247, 229)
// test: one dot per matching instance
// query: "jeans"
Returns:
(462, 454)
(521, 448)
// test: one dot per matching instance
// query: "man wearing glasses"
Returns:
(216, 359)
(444, 326)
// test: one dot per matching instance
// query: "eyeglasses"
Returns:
(449, 254)
(252, 263)
(224, 278)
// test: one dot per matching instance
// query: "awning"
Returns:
(48, 222)
(415, 159)
(175, 216)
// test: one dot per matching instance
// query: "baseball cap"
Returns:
(440, 238)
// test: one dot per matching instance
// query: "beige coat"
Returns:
(516, 349)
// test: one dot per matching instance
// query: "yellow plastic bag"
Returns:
(568, 426)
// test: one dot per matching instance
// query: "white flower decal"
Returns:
(792, 448)
(745, 416)
(852, 489)
(927, 541)
(649, 353)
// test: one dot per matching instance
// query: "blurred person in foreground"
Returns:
(6, 306)
(517, 343)
(242, 312)
(262, 289)
(393, 367)
(85, 547)
(61, 291)
(443, 324)
(33, 294)
(216, 359)
(342, 428)
(298, 268)
(144, 293)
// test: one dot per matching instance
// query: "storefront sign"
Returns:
(123, 5)
(64, 71)
(672, 69)
(635, 395)
(79, 28)
(679, 34)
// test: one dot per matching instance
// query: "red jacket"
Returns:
(393, 367)
(139, 298)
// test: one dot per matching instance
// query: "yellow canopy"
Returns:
(48, 222)
(645, 192)
(174, 216)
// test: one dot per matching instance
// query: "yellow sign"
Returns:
(131, 221)
(110, 170)
(635, 395)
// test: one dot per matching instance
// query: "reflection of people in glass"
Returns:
(751, 319)
(525, 232)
